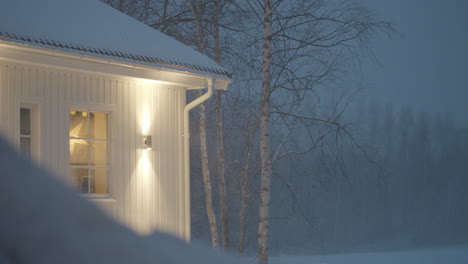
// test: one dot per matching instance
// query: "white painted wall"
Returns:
(145, 185)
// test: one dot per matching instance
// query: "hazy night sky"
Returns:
(426, 67)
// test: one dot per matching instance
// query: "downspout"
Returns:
(186, 137)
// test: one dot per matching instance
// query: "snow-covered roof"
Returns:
(91, 27)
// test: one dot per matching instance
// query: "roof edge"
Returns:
(123, 56)
(37, 55)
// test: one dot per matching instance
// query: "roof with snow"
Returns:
(91, 27)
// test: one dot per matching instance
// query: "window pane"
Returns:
(100, 181)
(25, 121)
(98, 153)
(89, 151)
(98, 125)
(79, 152)
(80, 178)
(78, 124)
(25, 147)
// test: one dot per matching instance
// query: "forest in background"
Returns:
(356, 176)
(416, 196)
(408, 190)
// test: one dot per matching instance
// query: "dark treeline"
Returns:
(404, 186)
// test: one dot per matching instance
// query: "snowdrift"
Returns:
(44, 221)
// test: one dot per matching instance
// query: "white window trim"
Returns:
(110, 111)
(36, 106)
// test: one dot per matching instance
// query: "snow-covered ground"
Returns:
(453, 255)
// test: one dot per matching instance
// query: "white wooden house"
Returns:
(99, 99)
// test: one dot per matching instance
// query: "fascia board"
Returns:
(63, 59)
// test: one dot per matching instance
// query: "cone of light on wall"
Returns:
(147, 142)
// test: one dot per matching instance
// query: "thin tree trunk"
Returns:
(221, 178)
(263, 223)
(244, 193)
(196, 10)
(242, 224)
(206, 175)
(220, 137)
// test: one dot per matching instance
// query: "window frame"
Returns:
(34, 105)
(102, 109)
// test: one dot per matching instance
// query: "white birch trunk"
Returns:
(196, 10)
(263, 223)
(206, 175)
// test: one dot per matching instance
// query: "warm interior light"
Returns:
(84, 114)
(72, 112)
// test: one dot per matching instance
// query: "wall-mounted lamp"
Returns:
(147, 142)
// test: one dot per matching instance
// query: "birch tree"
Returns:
(196, 8)
(263, 222)
(305, 44)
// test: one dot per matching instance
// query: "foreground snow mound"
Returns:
(44, 221)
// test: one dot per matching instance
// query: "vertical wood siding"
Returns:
(145, 185)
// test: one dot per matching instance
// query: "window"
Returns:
(89, 152)
(29, 131)
(25, 132)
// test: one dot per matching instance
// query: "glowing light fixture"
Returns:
(147, 142)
